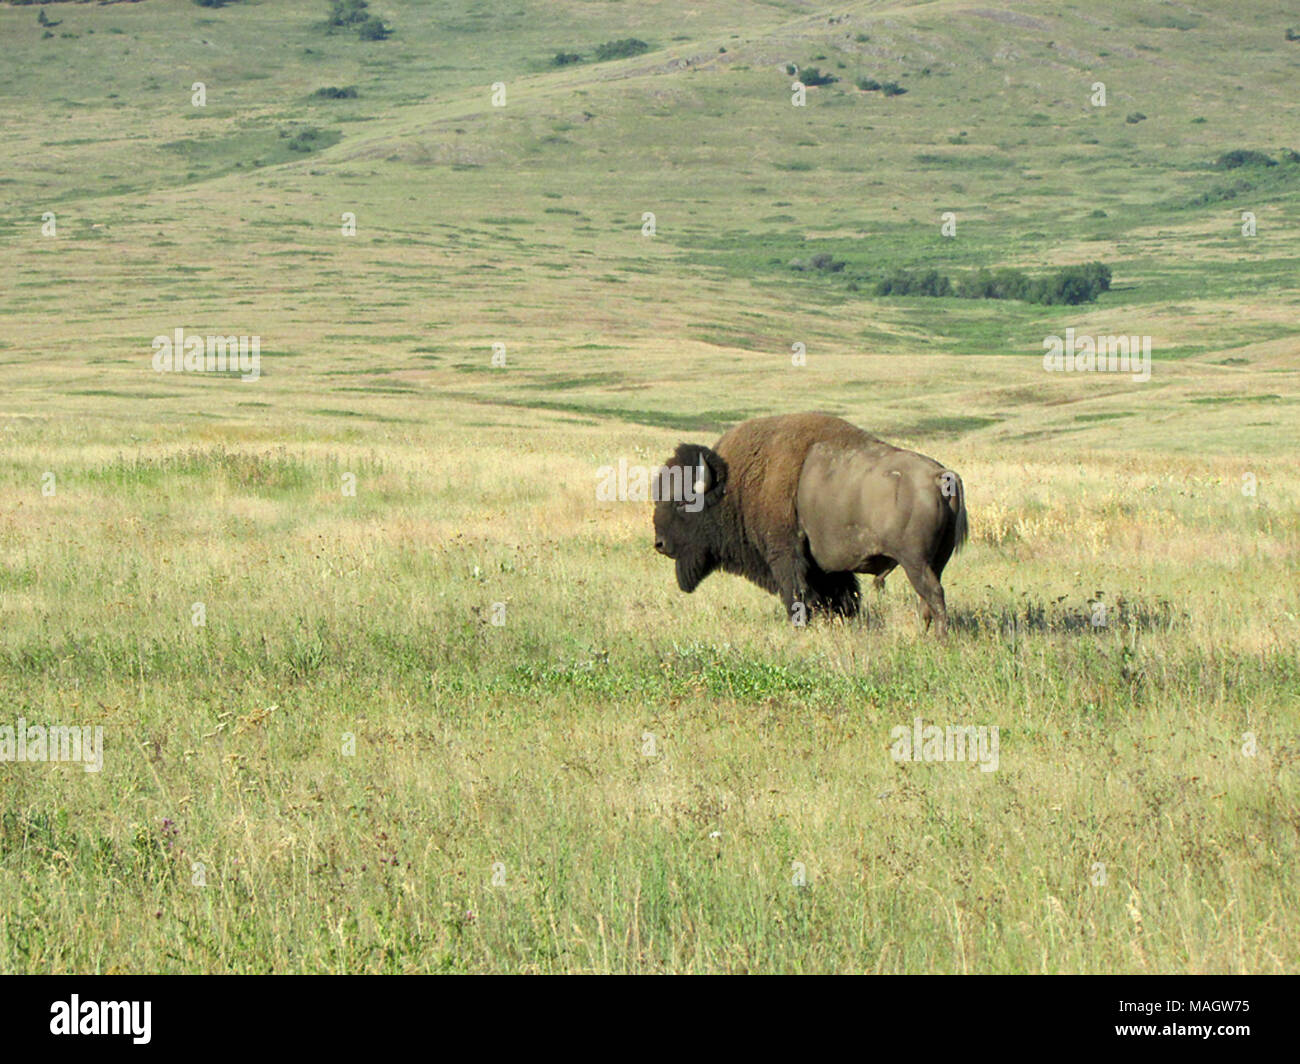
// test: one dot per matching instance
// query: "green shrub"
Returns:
(822, 261)
(1004, 283)
(825, 261)
(308, 139)
(813, 76)
(566, 59)
(1220, 194)
(1231, 160)
(623, 49)
(867, 84)
(902, 283)
(332, 93)
(1071, 285)
(1100, 273)
(348, 12)
(892, 88)
(373, 29)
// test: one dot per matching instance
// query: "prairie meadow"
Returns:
(383, 685)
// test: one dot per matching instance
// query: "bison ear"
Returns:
(706, 468)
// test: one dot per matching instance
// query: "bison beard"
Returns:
(800, 503)
(692, 568)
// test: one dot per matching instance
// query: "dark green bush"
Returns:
(1231, 160)
(902, 283)
(813, 76)
(825, 261)
(1100, 274)
(348, 12)
(1071, 285)
(308, 139)
(1221, 194)
(623, 49)
(995, 284)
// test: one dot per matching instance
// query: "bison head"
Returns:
(688, 489)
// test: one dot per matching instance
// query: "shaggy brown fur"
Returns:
(867, 506)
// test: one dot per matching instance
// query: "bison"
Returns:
(800, 503)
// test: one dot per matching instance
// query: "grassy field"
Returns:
(446, 711)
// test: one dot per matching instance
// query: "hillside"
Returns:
(481, 224)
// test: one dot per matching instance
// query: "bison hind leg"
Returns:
(926, 582)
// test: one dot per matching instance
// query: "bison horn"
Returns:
(702, 479)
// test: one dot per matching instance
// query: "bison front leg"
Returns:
(792, 585)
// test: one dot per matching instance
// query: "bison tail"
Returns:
(951, 486)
